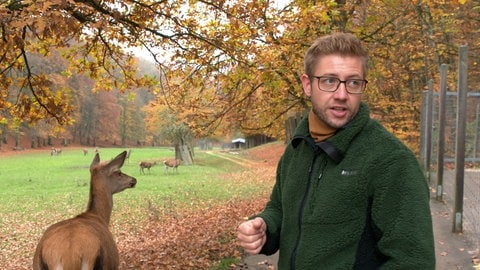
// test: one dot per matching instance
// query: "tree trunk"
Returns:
(182, 151)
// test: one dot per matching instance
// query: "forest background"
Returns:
(70, 69)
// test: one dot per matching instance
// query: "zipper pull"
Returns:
(322, 168)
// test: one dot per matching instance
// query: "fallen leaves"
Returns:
(475, 257)
(198, 240)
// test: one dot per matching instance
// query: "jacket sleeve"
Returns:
(401, 211)
(272, 214)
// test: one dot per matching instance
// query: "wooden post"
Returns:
(441, 130)
(460, 139)
(428, 130)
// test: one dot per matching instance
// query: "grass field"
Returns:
(37, 189)
(40, 182)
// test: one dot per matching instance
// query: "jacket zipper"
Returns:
(300, 216)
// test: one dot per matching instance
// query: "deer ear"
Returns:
(95, 161)
(117, 162)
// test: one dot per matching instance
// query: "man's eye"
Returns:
(329, 80)
(354, 83)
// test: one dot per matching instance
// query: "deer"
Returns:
(146, 165)
(55, 151)
(172, 163)
(85, 241)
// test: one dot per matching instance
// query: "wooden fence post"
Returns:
(428, 130)
(460, 139)
(441, 130)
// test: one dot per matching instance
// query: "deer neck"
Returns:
(100, 202)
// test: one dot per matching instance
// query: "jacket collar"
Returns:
(337, 145)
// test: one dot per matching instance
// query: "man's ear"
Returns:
(307, 85)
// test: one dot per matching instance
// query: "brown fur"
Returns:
(146, 165)
(55, 151)
(172, 163)
(85, 242)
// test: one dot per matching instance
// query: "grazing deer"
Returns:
(85, 242)
(146, 165)
(85, 151)
(172, 163)
(55, 151)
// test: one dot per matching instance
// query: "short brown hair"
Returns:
(343, 44)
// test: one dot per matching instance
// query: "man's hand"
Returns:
(251, 235)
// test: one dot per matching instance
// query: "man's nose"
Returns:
(341, 91)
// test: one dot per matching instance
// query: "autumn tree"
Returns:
(408, 43)
(132, 120)
(166, 128)
(226, 64)
(89, 35)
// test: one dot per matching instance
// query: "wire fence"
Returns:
(454, 175)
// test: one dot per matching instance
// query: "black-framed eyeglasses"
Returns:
(331, 84)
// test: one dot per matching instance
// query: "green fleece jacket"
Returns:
(362, 202)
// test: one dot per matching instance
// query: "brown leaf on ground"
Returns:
(197, 240)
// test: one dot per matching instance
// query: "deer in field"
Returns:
(172, 163)
(55, 151)
(85, 242)
(146, 165)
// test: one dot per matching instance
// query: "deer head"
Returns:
(109, 173)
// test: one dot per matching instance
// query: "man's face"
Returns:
(335, 108)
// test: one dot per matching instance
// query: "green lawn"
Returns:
(37, 190)
(39, 182)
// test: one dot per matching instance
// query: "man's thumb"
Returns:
(257, 223)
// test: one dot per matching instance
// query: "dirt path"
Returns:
(452, 250)
(235, 158)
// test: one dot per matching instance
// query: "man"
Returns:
(348, 194)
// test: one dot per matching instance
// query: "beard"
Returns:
(335, 123)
